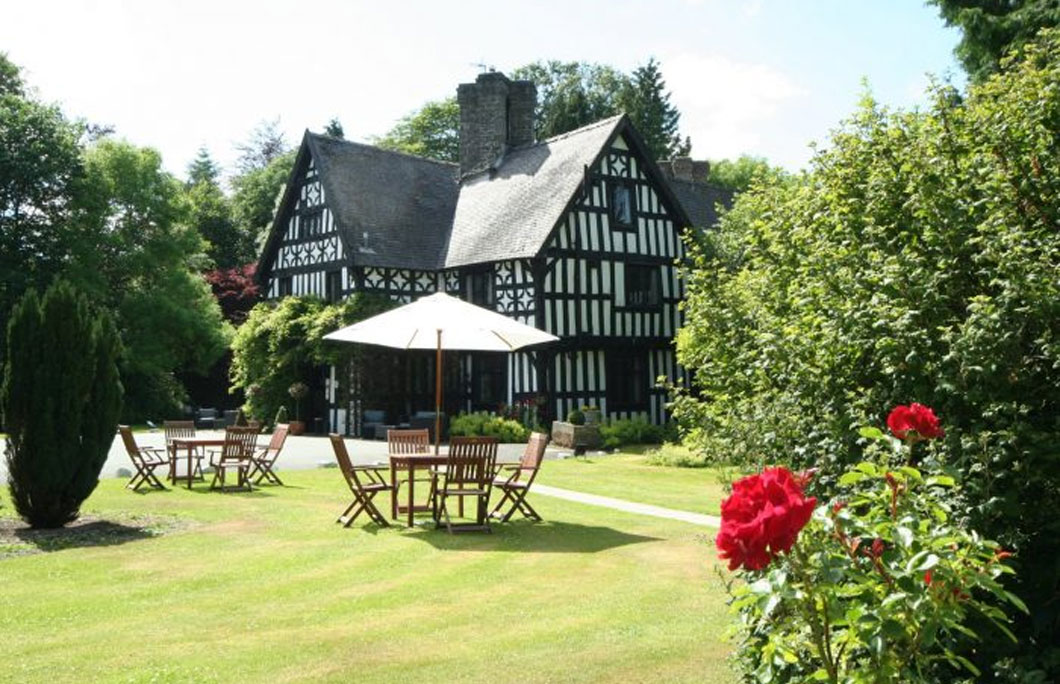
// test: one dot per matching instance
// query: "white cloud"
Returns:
(727, 105)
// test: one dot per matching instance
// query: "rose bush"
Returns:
(762, 518)
(914, 422)
(879, 584)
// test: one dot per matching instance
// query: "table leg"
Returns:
(412, 499)
(191, 468)
(393, 492)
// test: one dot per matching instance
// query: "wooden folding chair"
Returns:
(363, 488)
(144, 459)
(237, 453)
(468, 473)
(265, 459)
(180, 429)
(409, 442)
(516, 485)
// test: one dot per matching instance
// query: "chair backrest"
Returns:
(408, 441)
(240, 443)
(534, 453)
(130, 443)
(279, 436)
(345, 464)
(178, 429)
(470, 461)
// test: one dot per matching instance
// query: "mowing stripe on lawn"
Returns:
(628, 506)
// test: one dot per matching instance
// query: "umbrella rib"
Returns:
(408, 345)
(502, 339)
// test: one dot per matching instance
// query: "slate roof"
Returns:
(700, 200)
(404, 203)
(509, 212)
(419, 215)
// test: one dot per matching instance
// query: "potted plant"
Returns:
(298, 392)
(592, 415)
(575, 434)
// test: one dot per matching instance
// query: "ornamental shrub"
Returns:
(61, 399)
(917, 258)
(622, 432)
(576, 417)
(486, 424)
(882, 584)
(282, 342)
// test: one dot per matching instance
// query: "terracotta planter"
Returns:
(296, 427)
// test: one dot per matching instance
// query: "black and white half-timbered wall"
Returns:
(579, 235)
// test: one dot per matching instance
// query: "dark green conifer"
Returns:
(61, 398)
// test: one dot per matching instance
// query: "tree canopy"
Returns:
(990, 28)
(432, 131)
(741, 173)
(915, 261)
(569, 95)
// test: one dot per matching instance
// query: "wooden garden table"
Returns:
(411, 463)
(190, 445)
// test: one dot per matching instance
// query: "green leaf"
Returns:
(904, 536)
(872, 433)
(852, 477)
(1016, 601)
(940, 481)
(931, 561)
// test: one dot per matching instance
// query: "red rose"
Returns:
(762, 518)
(915, 418)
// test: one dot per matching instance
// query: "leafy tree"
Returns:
(61, 397)
(740, 173)
(990, 28)
(136, 254)
(432, 131)
(569, 95)
(265, 144)
(211, 215)
(10, 77)
(282, 342)
(235, 290)
(40, 174)
(573, 94)
(334, 129)
(255, 196)
(915, 261)
(203, 169)
(647, 102)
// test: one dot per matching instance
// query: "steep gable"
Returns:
(394, 209)
(509, 212)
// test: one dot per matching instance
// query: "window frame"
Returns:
(655, 272)
(333, 286)
(626, 370)
(613, 185)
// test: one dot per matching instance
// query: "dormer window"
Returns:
(621, 204)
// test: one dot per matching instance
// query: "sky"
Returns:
(759, 77)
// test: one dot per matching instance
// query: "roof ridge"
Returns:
(584, 129)
(398, 153)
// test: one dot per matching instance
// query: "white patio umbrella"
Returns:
(439, 322)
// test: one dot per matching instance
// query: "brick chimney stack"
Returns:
(496, 114)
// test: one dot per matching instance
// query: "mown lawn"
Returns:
(266, 587)
(629, 476)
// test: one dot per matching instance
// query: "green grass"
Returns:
(266, 587)
(629, 476)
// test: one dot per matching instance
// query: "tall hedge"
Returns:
(60, 399)
(917, 260)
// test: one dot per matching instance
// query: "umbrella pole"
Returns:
(438, 395)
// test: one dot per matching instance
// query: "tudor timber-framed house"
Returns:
(578, 235)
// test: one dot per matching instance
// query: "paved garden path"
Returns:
(628, 506)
